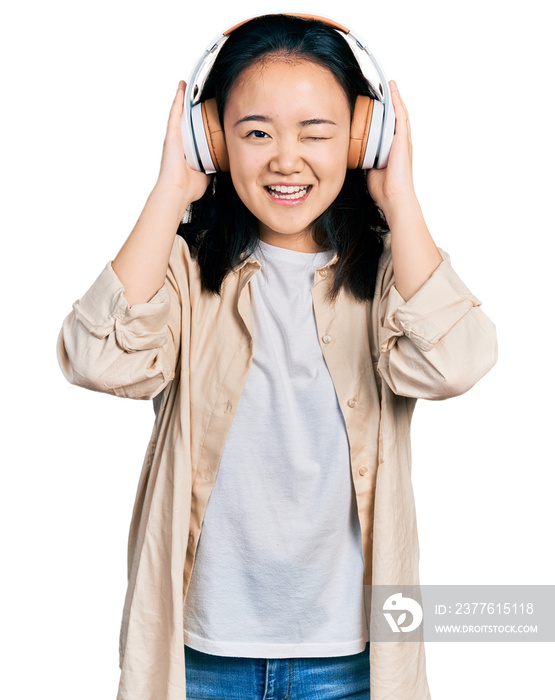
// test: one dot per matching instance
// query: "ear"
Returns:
(215, 135)
(360, 130)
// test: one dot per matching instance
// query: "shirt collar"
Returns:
(251, 260)
(332, 261)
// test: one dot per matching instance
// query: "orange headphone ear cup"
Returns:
(360, 130)
(215, 135)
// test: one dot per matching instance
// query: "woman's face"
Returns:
(287, 127)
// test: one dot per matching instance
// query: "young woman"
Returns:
(284, 334)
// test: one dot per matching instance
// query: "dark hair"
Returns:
(220, 231)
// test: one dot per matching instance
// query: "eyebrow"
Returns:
(267, 120)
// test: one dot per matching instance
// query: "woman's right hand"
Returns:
(142, 262)
(175, 172)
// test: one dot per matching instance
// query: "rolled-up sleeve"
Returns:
(437, 344)
(129, 351)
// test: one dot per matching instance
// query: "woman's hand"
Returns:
(393, 186)
(142, 262)
(414, 253)
(175, 172)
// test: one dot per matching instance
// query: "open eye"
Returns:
(257, 134)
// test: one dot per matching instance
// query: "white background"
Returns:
(86, 91)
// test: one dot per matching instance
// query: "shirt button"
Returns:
(363, 470)
(352, 403)
(322, 273)
(326, 338)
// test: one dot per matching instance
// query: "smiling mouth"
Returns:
(288, 192)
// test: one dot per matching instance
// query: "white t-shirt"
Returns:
(279, 568)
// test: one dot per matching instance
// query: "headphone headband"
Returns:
(301, 15)
(197, 150)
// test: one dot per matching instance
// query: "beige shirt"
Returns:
(192, 350)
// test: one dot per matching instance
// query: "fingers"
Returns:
(177, 105)
(180, 88)
(402, 123)
(396, 95)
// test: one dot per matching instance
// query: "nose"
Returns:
(286, 158)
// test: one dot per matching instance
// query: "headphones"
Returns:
(372, 125)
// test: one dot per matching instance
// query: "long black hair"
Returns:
(219, 229)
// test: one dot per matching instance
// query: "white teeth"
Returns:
(288, 191)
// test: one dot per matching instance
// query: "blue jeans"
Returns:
(211, 677)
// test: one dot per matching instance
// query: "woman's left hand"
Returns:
(414, 253)
(393, 185)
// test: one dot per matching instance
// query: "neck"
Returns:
(301, 242)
